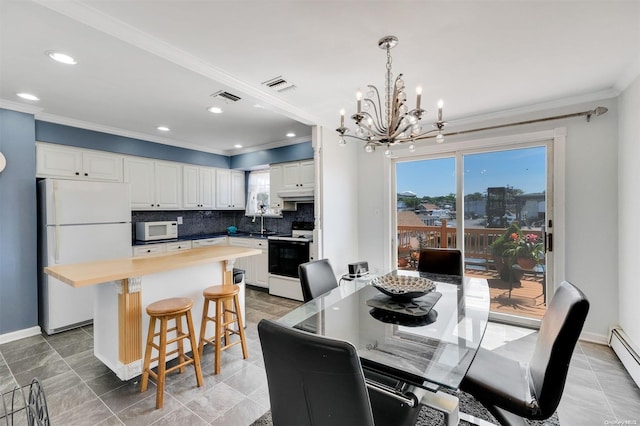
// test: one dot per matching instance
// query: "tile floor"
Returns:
(82, 391)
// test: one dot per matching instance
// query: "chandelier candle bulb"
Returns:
(341, 118)
(419, 95)
(440, 105)
(359, 98)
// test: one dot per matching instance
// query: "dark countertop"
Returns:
(238, 234)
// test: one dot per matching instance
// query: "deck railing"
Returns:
(477, 241)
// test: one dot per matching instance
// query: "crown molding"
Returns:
(527, 109)
(15, 106)
(126, 133)
(270, 145)
(630, 74)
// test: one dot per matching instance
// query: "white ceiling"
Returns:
(143, 64)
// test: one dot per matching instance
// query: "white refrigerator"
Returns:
(79, 221)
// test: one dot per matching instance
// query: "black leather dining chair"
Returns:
(316, 278)
(440, 261)
(315, 380)
(512, 391)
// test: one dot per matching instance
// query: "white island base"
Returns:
(110, 297)
(126, 286)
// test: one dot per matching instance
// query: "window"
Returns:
(258, 193)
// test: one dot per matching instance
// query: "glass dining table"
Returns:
(427, 343)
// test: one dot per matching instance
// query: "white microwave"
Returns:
(149, 231)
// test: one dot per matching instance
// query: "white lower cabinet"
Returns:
(179, 246)
(149, 249)
(256, 267)
(208, 242)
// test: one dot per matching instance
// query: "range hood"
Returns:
(296, 195)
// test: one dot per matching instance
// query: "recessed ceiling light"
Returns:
(290, 134)
(163, 128)
(237, 145)
(61, 57)
(215, 110)
(28, 96)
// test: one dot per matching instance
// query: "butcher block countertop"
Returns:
(90, 273)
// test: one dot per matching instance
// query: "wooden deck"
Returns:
(526, 298)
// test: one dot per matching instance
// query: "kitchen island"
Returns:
(125, 286)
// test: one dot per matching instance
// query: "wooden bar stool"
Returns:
(223, 317)
(166, 310)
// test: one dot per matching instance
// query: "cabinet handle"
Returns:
(77, 173)
(149, 251)
(86, 174)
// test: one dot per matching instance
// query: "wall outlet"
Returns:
(179, 220)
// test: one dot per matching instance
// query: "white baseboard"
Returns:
(19, 334)
(627, 352)
(600, 339)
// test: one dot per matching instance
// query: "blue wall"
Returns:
(18, 220)
(18, 231)
(301, 151)
(82, 138)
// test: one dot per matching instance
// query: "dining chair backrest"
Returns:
(313, 380)
(513, 391)
(440, 261)
(559, 332)
(316, 278)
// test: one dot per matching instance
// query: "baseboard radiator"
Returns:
(626, 351)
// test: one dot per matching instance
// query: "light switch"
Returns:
(179, 220)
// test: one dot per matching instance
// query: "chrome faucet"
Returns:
(261, 208)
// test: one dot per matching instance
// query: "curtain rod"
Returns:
(597, 111)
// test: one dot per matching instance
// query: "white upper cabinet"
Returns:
(199, 187)
(139, 173)
(238, 193)
(275, 185)
(155, 185)
(298, 175)
(230, 189)
(168, 185)
(75, 163)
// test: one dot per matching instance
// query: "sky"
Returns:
(522, 168)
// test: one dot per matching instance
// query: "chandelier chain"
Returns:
(388, 101)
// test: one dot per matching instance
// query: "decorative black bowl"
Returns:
(405, 320)
(403, 287)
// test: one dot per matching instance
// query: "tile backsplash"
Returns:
(202, 222)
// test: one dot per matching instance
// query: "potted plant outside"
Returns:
(527, 249)
(501, 251)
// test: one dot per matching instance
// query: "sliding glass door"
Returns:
(493, 205)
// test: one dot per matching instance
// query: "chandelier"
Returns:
(394, 124)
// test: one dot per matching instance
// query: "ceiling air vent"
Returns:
(228, 97)
(279, 84)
